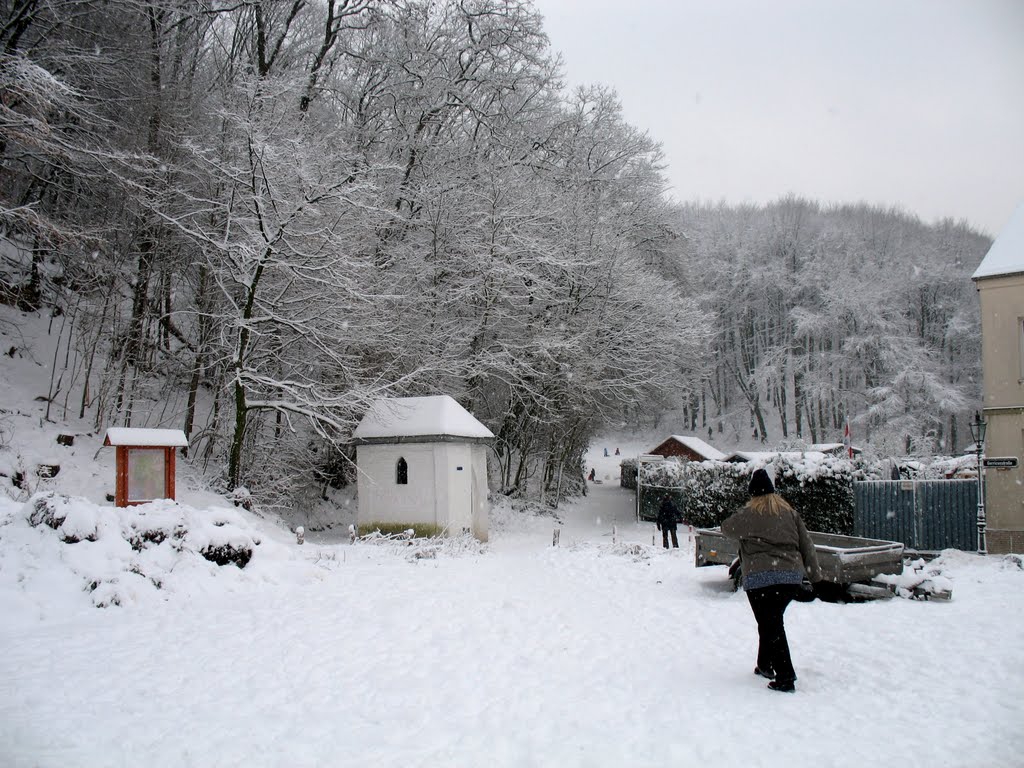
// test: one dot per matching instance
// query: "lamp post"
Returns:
(978, 427)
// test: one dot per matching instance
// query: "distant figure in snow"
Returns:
(711, 434)
(616, 451)
(668, 517)
(605, 451)
(593, 473)
(777, 555)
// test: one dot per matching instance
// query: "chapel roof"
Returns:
(411, 417)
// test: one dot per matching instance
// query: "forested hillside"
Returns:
(828, 315)
(251, 219)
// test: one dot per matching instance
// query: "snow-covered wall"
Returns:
(382, 499)
(446, 489)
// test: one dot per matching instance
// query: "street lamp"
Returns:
(978, 434)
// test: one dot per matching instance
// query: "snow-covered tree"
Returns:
(830, 315)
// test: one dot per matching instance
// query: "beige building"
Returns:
(1000, 283)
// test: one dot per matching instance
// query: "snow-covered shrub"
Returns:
(241, 497)
(73, 522)
(939, 467)
(226, 553)
(121, 553)
(47, 511)
(140, 539)
(219, 537)
(705, 492)
(819, 486)
(822, 493)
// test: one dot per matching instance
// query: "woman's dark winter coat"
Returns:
(772, 541)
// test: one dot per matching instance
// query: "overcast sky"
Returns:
(912, 103)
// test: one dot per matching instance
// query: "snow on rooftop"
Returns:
(830, 447)
(419, 417)
(697, 445)
(167, 438)
(750, 456)
(765, 457)
(1006, 256)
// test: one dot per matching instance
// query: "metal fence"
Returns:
(923, 514)
(651, 497)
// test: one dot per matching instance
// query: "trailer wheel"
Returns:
(830, 592)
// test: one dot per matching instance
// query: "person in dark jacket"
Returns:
(776, 554)
(668, 517)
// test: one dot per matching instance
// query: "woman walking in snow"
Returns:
(776, 554)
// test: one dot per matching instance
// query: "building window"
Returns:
(402, 472)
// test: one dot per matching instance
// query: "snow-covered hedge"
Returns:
(819, 486)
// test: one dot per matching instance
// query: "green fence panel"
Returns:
(923, 514)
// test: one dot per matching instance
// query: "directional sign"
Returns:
(1000, 462)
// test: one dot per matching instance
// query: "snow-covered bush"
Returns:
(819, 486)
(705, 492)
(122, 553)
(73, 522)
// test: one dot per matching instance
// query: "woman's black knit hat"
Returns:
(761, 483)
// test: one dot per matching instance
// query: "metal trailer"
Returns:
(848, 563)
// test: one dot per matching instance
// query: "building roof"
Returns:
(697, 445)
(825, 447)
(738, 456)
(1006, 256)
(148, 438)
(766, 456)
(416, 417)
(832, 447)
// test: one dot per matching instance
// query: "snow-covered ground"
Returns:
(594, 653)
(603, 651)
